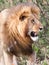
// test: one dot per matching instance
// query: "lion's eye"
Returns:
(33, 21)
(22, 18)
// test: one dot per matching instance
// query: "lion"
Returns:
(19, 28)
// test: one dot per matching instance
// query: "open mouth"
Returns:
(33, 35)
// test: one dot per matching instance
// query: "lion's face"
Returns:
(20, 26)
(29, 24)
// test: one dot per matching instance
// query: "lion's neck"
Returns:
(18, 44)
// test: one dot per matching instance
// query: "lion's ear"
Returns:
(35, 10)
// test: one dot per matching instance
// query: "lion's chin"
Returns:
(34, 38)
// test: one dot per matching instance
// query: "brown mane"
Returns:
(10, 36)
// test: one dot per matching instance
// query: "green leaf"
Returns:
(35, 48)
(44, 63)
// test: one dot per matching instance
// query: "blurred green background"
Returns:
(41, 47)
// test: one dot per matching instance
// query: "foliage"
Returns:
(44, 63)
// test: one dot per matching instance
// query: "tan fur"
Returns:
(13, 30)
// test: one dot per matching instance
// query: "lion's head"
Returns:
(29, 24)
(22, 26)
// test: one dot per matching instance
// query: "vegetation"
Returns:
(41, 47)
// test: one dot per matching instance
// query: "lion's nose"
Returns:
(41, 28)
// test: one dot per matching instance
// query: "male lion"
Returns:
(19, 27)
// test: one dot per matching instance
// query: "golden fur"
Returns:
(15, 23)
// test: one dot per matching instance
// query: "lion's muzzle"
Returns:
(33, 35)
